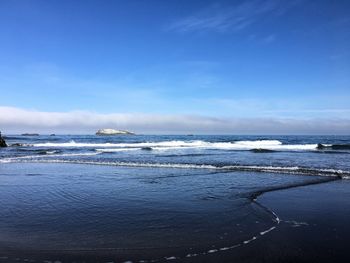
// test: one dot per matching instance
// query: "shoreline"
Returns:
(313, 227)
(302, 214)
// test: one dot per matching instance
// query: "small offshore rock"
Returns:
(2, 141)
(146, 148)
(113, 132)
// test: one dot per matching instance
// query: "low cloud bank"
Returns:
(16, 120)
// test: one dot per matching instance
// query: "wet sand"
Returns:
(313, 220)
(314, 227)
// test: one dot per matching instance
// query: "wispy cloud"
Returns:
(269, 39)
(232, 18)
(17, 120)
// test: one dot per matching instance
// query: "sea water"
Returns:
(151, 198)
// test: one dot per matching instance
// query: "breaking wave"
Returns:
(176, 144)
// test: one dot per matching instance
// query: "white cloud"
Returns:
(17, 120)
(234, 18)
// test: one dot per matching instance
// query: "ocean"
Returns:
(151, 198)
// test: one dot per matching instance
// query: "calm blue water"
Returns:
(150, 198)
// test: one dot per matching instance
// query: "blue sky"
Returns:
(228, 60)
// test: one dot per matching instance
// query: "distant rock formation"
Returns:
(2, 141)
(113, 132)
(30, 134)
(146, 148)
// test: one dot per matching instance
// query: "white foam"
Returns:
(14, 159)
(267, 231)
(117, 150)
(51, 152)
(238, 145)
(259, 143)
(71, 154)
(249, 240)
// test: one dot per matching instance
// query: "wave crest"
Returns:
(197, 144)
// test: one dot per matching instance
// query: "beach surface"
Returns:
(314, 227)
(178, 199)
(80, 213)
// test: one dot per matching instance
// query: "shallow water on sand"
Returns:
(151, 198)
(157, 212)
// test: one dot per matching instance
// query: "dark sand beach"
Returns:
(314, 227)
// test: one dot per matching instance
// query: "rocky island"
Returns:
(2, 141)
(113, 132)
